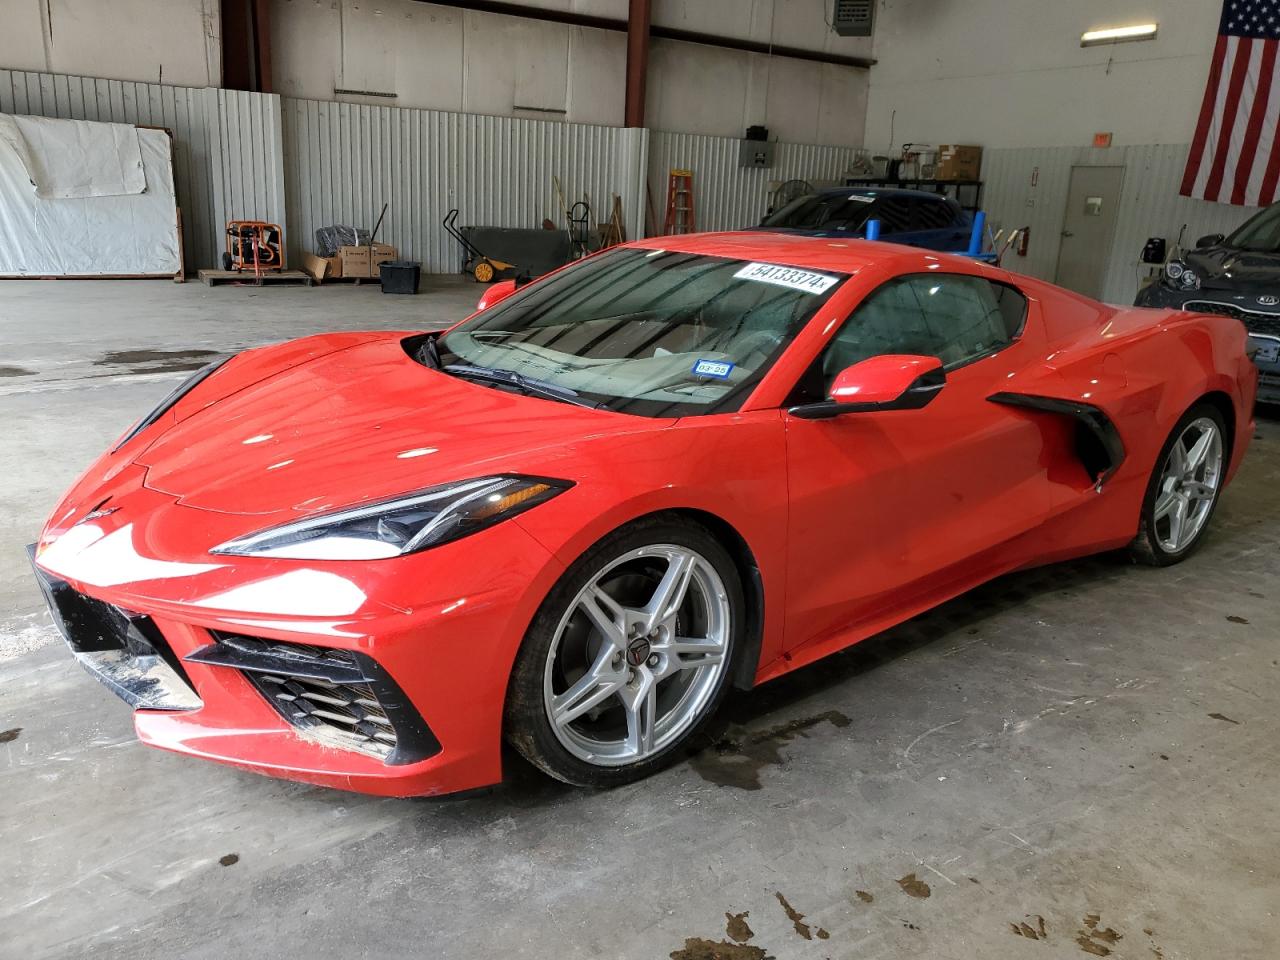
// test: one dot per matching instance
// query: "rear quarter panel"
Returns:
(1144, 369)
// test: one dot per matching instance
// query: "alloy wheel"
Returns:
(637, 655)
(1189, 483)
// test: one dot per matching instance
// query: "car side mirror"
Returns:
(1209, 240)
(888, 382)
(495, 293)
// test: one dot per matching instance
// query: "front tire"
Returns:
(629, 655)
(1184, 488)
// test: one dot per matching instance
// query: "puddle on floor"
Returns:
(912, 886)
(736, 761)
(797, 920)
(696, 948)
(156, 361)
(736, 927)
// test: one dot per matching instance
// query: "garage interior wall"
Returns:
(463, 61)
(305, 164)
(461, 78)
(734, 197)
(1149, 206)
(997, 74)
(228, 159)
(344, 161)
(119, 40)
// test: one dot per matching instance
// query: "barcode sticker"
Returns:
(787, 277)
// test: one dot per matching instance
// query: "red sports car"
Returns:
(580, 516)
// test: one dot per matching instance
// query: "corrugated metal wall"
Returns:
(247, 168)
(181, 109)
(344, 161)
(314, 163)
(227, 149)
(726, 196)
(1149, 205)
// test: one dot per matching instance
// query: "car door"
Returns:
(899, 508)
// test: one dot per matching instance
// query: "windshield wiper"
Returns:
(429, 353)
(530, 385)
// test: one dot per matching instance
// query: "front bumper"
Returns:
(395, 700)
(1262, 323)
(122, 649)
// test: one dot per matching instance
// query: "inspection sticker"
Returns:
(720, 369)
(787, 277)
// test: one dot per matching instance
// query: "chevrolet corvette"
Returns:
(575, 520)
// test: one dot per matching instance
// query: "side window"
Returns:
(852, 215)
(894, 214)
(952, 317)
(932, 215)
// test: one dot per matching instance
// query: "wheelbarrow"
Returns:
(484, 269)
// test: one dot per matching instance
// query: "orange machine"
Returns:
(253, 245)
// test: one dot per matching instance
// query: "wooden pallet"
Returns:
(214, 277)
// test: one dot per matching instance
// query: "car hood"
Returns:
(364, 423)
(1228, 267)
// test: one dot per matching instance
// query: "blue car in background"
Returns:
(911, 217)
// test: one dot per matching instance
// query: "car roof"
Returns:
(795, 250)
(880, 192)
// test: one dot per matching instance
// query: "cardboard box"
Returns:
(355, 261)
(380, 253)
(321, 268)
(958, 163)
(363, 261)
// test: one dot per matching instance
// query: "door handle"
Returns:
(1067, 233)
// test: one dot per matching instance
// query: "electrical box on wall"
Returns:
(853, 18)
(755, 153)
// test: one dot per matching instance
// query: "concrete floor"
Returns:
(1085, 752)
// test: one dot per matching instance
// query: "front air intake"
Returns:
(340, 697)
(350, 712)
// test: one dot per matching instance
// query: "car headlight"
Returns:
(404, 524)
(1180, 276)
(174, 395)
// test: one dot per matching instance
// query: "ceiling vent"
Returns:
(853, 18)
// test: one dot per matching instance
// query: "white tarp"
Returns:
(82, 199)
(79, 158)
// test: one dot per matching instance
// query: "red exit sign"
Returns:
(1102, 139)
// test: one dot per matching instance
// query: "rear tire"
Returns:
(629, 655)
(1184, 488)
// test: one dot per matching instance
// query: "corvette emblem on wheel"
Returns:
(638, 651)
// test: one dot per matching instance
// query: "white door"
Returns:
(1093, 202)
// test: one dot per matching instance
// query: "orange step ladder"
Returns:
(679, 203)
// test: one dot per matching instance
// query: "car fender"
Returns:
(670, 472)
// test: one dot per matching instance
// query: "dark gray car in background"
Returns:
(1238, 276)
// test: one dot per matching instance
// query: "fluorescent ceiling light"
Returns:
(1138, 31)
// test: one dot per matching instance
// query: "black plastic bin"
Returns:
(400, 276)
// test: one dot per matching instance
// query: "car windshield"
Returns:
(648, 332)
(818, 211)
(1261, 234)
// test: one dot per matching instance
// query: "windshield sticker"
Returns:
(862, 198)
(803, 280)
(719, 369)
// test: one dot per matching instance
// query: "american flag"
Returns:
(1235, 156)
